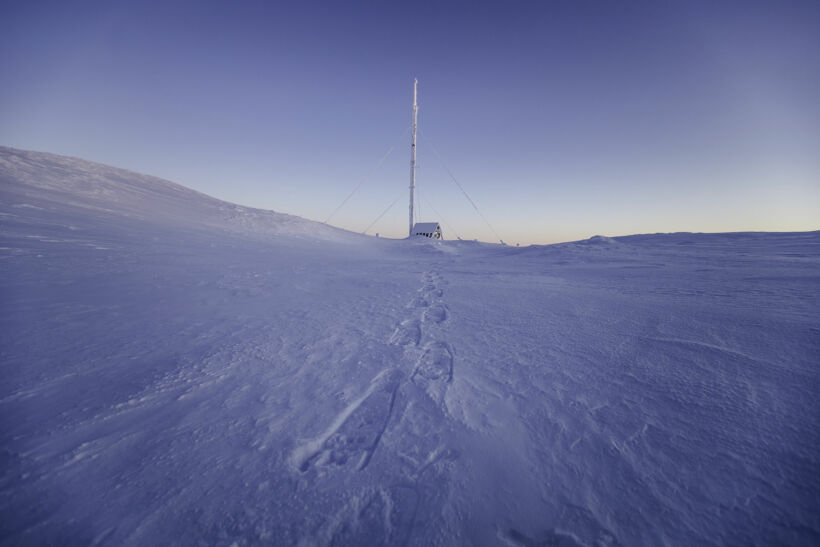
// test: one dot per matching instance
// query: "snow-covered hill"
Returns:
(81, 189)
(178, 370)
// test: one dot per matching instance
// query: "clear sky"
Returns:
(561, 119)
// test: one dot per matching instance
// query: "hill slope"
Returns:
(174, 375)
(81, 188)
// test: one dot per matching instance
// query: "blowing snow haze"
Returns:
(181, 370)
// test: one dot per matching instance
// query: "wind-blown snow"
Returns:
(179, 370)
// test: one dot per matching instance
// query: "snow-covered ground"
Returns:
(179, 370)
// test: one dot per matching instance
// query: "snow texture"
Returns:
(180, 370)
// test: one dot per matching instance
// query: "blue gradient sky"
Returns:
(561, 119)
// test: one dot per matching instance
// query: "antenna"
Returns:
(413, 150)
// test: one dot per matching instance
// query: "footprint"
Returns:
(435, 314)
(433, 293)
(436, 363)
(431, 277)
(357, 430)
(434, 370)
(408, 333)
(383, 517)
(431, 290)
(418, 302)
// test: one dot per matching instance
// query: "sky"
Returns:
(559, 119)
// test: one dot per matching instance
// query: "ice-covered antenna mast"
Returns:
(413, 150)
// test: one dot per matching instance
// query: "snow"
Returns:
(180, 370)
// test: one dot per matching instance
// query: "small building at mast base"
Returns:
(428, 229)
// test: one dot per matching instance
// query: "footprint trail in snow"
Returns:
(403, 407)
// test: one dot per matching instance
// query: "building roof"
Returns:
(425, 227)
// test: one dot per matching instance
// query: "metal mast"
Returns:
(413, 150)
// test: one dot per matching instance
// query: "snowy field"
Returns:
(179, 370)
